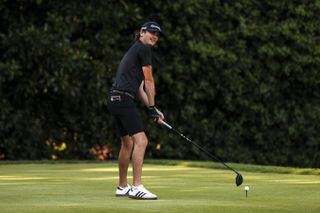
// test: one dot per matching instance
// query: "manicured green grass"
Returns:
(182, 186)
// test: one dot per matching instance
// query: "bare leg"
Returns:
(124, 159)
(140, 141)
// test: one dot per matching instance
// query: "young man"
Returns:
(134, 79)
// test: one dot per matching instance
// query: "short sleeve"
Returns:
(145, 55)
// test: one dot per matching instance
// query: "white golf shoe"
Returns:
(123, 191)
(141, 193)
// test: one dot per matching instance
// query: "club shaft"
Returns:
(199, 147)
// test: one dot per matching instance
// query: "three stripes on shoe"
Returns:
(140, 194)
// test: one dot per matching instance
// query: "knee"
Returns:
(127, 143)
(143, 142)
(140, 140)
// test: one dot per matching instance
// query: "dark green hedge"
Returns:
(239, 77)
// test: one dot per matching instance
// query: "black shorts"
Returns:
(127, 116)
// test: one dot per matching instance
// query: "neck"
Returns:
(142, 41)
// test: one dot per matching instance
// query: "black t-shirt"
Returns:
(129, 73)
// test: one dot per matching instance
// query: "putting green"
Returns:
(90, 187)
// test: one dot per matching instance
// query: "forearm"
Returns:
(150, 92)
(149, 87)
(142, 95)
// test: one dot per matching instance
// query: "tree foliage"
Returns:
(239, 77)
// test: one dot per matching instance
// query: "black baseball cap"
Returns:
(151, 26)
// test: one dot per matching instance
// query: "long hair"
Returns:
(136, 36)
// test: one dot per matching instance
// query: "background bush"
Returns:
(239, 77)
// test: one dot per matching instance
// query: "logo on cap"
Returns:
(155, 26)
(151, 26)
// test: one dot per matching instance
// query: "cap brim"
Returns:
(160, 32)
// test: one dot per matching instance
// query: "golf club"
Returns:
(239, 178)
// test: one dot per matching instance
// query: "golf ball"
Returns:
(246, 188)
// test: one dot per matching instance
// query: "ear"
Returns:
(142, 32)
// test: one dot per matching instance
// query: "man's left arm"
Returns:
(142, 95)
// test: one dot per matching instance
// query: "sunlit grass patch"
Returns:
(182, 186)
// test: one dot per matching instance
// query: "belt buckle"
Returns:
(115, 98)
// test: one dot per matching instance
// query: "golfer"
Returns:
(134, 80)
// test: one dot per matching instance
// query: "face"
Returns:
(149, 38)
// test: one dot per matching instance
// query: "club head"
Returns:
(239, 180)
